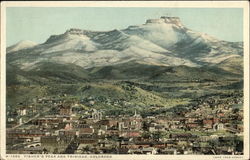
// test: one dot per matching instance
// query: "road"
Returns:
(36, 116)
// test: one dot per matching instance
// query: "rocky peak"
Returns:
(166, 19)
(75, 31)
(154, 21)
(68, 33)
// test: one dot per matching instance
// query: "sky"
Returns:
(38, 23)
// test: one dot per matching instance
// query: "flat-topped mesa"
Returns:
(75, 31)
(166, 19)
(154, 21)
(72, 31)
(175, 20)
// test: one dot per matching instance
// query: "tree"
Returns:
(146, 135)
(55, 151)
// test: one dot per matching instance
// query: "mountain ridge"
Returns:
(158, 42)
(24, 44)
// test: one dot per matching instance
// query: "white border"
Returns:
(3, 84)
(246, 80)
(165, 4)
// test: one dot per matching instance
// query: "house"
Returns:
(20, 121)
(140, 144)
(149, 150)
(191, 119)
(70, 132)
(130, 123)
(87, 141)
(102, 130)
(208, 123)
(68, 126)
(133, 123)
(96, 115)
(220, 113)
(25, 133)
(86, 131)
(105, 143)
(122, 150)
(218, 126)
(160, 128)
(47, 120)
(121, 126)
(108, 122)
(156, 127)
(22, 111)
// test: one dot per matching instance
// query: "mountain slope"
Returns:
(170, 34)
(159, 43)
(21, 45)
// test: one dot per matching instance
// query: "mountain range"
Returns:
(160, 48)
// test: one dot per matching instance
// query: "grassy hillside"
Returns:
(233, 65)
(120, 88)
(46, 73)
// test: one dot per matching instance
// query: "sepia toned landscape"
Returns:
(154, 88)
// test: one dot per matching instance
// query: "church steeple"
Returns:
(135, 113)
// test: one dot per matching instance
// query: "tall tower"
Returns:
(137, 116)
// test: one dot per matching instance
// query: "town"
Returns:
(210, 125)
(110, 81)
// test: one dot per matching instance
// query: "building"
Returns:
(218, 126)
(96, 115)
(22, 111)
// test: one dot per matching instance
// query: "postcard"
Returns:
(114, 80)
